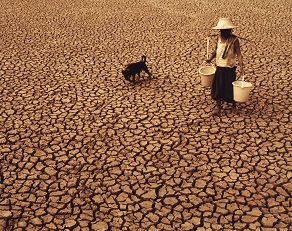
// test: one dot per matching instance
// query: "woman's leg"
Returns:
(217, 112)
(233, 107)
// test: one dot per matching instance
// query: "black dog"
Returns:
(135, 68)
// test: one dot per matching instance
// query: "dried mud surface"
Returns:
(82, 149)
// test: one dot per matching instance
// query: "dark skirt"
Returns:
(222, 87)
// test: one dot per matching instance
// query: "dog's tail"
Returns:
(144, 58)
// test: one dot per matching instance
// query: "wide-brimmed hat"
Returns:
(224, 23)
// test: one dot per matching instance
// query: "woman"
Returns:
(226, 52)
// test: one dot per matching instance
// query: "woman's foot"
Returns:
(216, 113)
(234, 108)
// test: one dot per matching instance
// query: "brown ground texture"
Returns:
(83, 149)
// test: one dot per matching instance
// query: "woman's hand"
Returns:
(211, 57)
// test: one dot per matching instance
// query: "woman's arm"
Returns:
(213, 55)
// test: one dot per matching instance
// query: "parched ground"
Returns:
(82, 149)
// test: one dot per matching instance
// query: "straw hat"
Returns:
(224, 23)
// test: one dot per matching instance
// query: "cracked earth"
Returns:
(82, 149)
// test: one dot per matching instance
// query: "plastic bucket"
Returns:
(241, 90)
(207, 75)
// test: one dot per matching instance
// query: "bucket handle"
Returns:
(243, 76)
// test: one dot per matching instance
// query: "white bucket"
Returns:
(207, 75)
(241, 90)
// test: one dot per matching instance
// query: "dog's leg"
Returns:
(148, 72)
